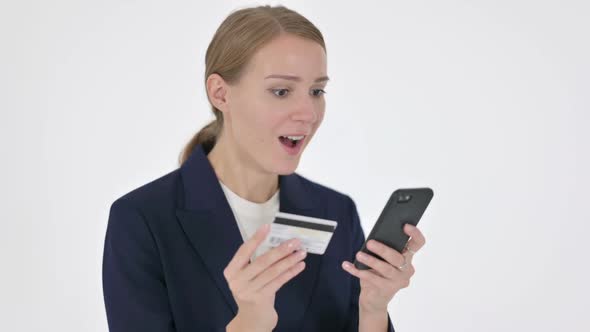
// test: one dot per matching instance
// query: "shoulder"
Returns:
(136, 217)
(156, 194)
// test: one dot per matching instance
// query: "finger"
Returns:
(276, 270)
(269, 258)
(408, 252)
(383, 268)
(242, 256)
(367, 275)
(389, 254)
(273, 286)
(417, 239)
(409, 256)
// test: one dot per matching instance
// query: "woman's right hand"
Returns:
(254, 285)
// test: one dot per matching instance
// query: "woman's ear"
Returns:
(217, 92)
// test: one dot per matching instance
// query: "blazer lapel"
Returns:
(208, 221)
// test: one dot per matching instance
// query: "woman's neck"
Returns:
(240, 175)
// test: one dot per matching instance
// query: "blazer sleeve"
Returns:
(358, 239)
(133, 282)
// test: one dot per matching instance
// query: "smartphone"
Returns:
(405, 206)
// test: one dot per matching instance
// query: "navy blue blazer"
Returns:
(168, 242)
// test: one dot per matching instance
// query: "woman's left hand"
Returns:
(386, 277)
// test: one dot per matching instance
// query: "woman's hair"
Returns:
(236, 40)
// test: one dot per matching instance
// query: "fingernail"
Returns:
(345, 265)
(293, 243)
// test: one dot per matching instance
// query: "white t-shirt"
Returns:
(249, 215)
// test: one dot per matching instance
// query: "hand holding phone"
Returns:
(405, 206)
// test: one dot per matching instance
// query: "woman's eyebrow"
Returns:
(297, 78)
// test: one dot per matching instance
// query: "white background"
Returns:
(486, 102)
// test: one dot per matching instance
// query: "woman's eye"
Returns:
(318, 92)
(284, 92)
(280, 92)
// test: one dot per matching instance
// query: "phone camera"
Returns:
(404, 198)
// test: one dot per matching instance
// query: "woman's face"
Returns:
(280, 94)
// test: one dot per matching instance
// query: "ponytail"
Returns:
(207, 136)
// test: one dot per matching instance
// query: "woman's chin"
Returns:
(286, 167)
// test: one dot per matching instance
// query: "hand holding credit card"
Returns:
(314, 233)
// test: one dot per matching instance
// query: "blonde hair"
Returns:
(236, 40)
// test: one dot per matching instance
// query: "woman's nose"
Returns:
(306, 111)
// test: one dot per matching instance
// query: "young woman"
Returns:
(181, 252)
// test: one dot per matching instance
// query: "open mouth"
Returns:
(291, 141)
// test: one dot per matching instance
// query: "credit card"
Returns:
(314, 233)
